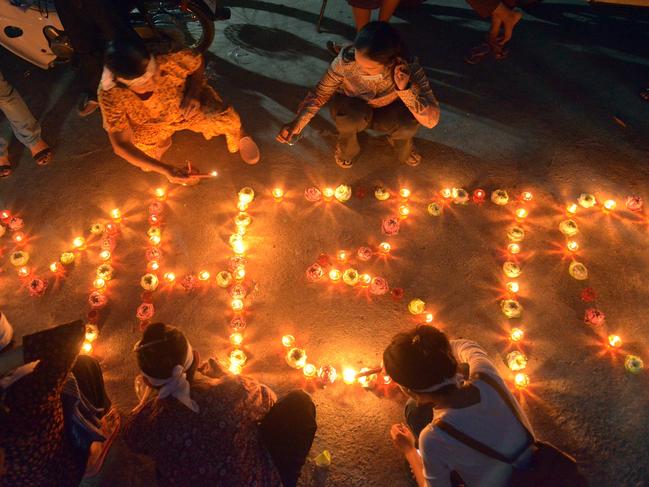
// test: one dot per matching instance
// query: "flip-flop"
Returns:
(44, 157)
(478, 53)
(414, 159)
(6, 170)
(344, 163)
(248, 150)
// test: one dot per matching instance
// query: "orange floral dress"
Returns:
(154, 120)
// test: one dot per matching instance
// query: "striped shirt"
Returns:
(346, 77)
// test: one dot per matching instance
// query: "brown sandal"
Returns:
(344, 163)
(44, 157)
(6, 170)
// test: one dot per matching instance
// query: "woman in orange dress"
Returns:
(145, 99)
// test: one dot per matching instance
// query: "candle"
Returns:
(516, 360)
(169, 277)
(572, 209)
(238, 247)
(246, 195)
(214, 174)
(237, 305)
(155, 240)
(609, 205)
(513, 248)
(521, 380)
(160, 194)
(236, 338)
(23, 271)
(203, 275)
(92, 332)
(516, 334)
(239, 273)
(335, 275)
(434, 209)
(5, 215)
(633, 364)
(236, 369)
(381, 194)
(116, 214)
(328, 194)
(387, 379)
(309, 371)
(512, 287)
(350, 277)
(500, 197)
(241, 206)
(238, 357)
(349, 376)
(342, 256)
(86, 348)
(404, 193)
(19, 238)
(429, 317)
(365, 280)
(56, 267)
(296, 358)
(149, 282)
(224, 279)
(446, 192)
(614, 341)
(152, 266)
(104, 255)
(416, 306)
(572, 245)
(526, 196)
(67, 258)
(242, 219)
(385, 247)
(99, 284)
(404, 211)
(288, 341)
(79, 243)
(327, 374)
(343, 193)
(479, 196)
(105, 272)
(521, 213)
(278, 194)
(367, 381)
(512, 269)
(587, 200)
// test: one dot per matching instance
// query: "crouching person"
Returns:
(208, 427)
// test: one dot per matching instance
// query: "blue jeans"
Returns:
(25, 127)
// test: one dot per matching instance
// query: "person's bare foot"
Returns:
(248, 150)
(506, 19)
(5, 167)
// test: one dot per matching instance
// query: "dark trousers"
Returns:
(353, 115)
(91, 381)
(417, 418)
(90, 24)
(288, 431)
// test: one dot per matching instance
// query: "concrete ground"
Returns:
(560, 117)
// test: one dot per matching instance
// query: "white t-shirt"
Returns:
(490, 421)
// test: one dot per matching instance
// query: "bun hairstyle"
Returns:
(162, 348)
(420, 358)
(381, 42)
(127, 58)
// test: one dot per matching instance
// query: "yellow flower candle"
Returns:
(67, 258)
(343, 193)
(512, 269)
(350, 277)
(92, 332)
(149, 282)
(417, 306)
(516, 361)
(19, 258)
(515, 234)
(381, 194)
(516, 335)
(224, 279)
(105, 272)
(296, 358)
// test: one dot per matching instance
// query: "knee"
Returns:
(352, 114)
(406, 129)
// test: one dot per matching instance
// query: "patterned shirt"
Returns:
(346, 77)
(220, 446)
(36, 450)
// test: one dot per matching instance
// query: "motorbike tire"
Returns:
(204, 17)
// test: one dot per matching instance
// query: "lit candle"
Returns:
(349, 376)
(23, 271)
(328, 194)
(79, 243)
(86, 348)
(572, 208)
(526, 196)
(99, 284)
(416, 306)
(149, 282)
(278, 194)
(614, 341)
(104, 255)
(404, 193)
(288, 341)
(429, 317)
(479, 196)
(350, 277)
(516, 335)
(609, 205)
(385, 247)
(155, 240)
(296, 358)
(236, 339)
(521, 380)
(152, 266)
(105, 271)
(521, 213)
(309, 371)
(365, 280)
(513, 248)
(67, 258)
(214, 174)
(19, 238)
(242, 219)
(447, 192)
(381, 194)
(335, 275)
(516, 360)
(224, 279)
(169, 277)
(237, 305)
(203, 275)
(239, 273)
(160, 194)
(241, 206)
(236, 369)
(387, 379)
(56, 267)
(404, 211)
(5, 215)
(238, 357)
(342, 256)
(238, 247)
(246, 195)
(116, 214)
(512, 287)
(572, 245)
(92, 332)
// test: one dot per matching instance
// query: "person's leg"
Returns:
(90, 379)
(362, 17)
(400, 125)
(417, 418)
(25, 127)
(288, 431)
(351, 116)
(387, 9)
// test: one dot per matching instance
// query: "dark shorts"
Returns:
(365, 4)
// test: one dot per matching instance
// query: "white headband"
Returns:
(177, 385)
(456, 380)
(108, 79)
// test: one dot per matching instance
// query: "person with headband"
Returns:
(208, 427)
(428, 369)
(52, 408)
(145, 99)
(373, 84)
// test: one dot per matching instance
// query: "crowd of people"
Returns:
(201, 424)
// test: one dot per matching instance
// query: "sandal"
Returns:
(478, 53)
(44, 157)
(414, 159)
(6, 169)
(87, 106)
(248, 150)
(344, 163)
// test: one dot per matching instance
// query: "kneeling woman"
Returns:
(425, 366)
(145, 99)
(375, 85)
(207, 427)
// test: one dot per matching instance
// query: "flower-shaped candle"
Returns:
(568, 228)
(521, 380)
(364, 254)
(512, 269)
(587, 200)
(434, 209)
(515, 233)
(314, 273)
(19, 258)
(105, 271)
(633, 364)
(634, 203)
(327, 374)
(296, 358)
(350, 277)
(224, 279)
(516, 360)
(416, 306)
(313, 194)
(246, 195)
(511, 308)
(500, 197)
(379, 286)
(343, 193)
(594, 317)
(149, 282)
(390, 226)
(578, 270)
(288, 341)
(381, 193)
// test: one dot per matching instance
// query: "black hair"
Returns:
(162, 348)
(127, 58)
(420, 358)
(381, 42)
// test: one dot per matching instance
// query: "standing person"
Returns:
(362, 10)
(25, 127)
(374, 84)
(425, 364)
(90, 24)
(210, 428)
(504, 16)
(38, 440)
(145, 99)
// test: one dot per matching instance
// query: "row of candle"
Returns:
(569, 228)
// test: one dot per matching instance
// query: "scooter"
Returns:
(32, 29)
